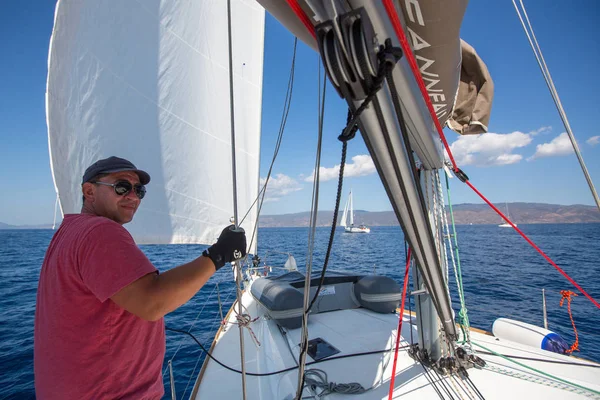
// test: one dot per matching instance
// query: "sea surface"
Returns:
(502, 276)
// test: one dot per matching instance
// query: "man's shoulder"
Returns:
(85, 224)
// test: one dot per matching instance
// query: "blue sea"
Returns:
(502, 276)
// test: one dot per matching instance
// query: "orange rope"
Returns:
(567, 294)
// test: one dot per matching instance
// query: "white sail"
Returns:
(351, 209)
(149, 81)
(345, 214)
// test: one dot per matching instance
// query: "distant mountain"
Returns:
(7, 226)
(464, 214)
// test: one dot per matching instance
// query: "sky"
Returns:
(525, 157)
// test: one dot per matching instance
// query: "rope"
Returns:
(393, 16)
(537, 51)
(568, 295)
(311, 239)
(212, 329)
(190, 329)
(462, 314)
(302, 16)
(286, 109)
(317, 379)
(244, 321)
(563, 273)
(538, 371)
(399, 331)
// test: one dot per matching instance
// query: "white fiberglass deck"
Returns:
(361, 330)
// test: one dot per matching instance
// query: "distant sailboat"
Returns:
(348, 219)
(506, 224)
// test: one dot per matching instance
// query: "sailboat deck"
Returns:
(361, 331)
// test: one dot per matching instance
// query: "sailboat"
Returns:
(506, 224)
(348, 218)
(162, 82)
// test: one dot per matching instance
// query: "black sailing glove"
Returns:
(230, 246)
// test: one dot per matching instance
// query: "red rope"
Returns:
(567, 294)
(302, 16)
(391, 11)
(536, 247)
(400, 325)
(393, 16)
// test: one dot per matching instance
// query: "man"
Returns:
(99, 328)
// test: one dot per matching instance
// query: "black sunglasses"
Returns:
(122, 188)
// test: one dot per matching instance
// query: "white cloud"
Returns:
(543, 129)
(594, 140)
(559, 146)
(490, 148)
(279, 185)
(362, 165)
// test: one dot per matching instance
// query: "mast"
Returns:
(237, 266)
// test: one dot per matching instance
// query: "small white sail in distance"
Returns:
(348, 209)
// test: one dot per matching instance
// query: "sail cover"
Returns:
(457, 80)
(149, 81)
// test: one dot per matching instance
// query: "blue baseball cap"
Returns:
(114, 164)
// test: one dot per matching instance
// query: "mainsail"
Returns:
(149, 81)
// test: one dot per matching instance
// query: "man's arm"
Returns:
(153, 295)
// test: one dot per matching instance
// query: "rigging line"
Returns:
(540, 359)
(237, 267)
(334, 223)
(537, 51)
(190, 329)
(302, 17)
(444, 228)
(217, 317)
(286, 338)
(464, 318)
(393, 16)
(365, 353)
(445, 313)
(410, 314)
(458, 386)
(428, 374)
(472, 384)
(410, 57)
(390, 9)
(443, 383)
(563, 273)
(538, 371)
(286, 109)
(399, 331)
(312, 233)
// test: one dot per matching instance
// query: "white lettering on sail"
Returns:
(432, 82)
(426, 64)
(438, 98)
(417, 7)
(438, 107)
(417, 41)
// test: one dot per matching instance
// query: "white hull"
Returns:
(506, 225)
(360, 330)
(354, 229)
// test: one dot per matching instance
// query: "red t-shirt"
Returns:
(85, 345)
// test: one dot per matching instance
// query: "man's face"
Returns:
(107, 203)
